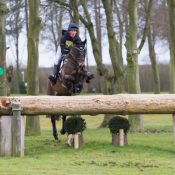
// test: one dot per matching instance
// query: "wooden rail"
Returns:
(12, 109)
(97, 104)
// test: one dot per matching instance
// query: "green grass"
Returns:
(147, 153)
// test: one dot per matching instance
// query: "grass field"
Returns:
(150, 153)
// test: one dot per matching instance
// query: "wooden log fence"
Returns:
(12, 109)
(97, 104)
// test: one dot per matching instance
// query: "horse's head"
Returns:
(78, 52)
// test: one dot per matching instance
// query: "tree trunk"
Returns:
(18, 71)
(3, 83)
(102, 70)
(171, 12)
(59, 27)
(26, 17)
(121, 31)
(99, 37)
(56, 26)
(107, 90)
(32, 123)
(171, 21)
(114, 47)
(152, 56)
(136, 121)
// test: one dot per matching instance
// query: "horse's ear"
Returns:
(85, 41)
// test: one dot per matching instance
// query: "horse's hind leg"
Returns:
(53, 120)
(54, 129)
(63, 131)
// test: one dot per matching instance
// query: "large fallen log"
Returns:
(97, 104)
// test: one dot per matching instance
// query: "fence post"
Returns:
(5, 135)
(121, 137)
(17, 130)
(76, 141)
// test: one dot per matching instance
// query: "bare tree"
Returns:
(32, 123)
(52, 25)
(74, 8)
(152, 55)
(26, 16)
(136, 121)
(171, 11)
(3, 83)
(119, 10)
(15, 22)
(114, 46)
(97, 9)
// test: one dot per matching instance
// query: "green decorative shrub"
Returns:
(74, 125)
(117, 123)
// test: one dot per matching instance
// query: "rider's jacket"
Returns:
(67, 42)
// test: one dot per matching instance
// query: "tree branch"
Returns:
(147, 23)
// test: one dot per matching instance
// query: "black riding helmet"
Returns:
(72, 26)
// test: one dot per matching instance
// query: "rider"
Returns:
(71, 37)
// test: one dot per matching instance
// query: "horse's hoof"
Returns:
(57, 141)
(63, 131)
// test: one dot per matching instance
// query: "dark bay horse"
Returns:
(70, 79)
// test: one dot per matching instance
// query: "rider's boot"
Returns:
(56, 69)
(54, 76)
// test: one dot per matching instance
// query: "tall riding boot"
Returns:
(54, 76)
(56, 69)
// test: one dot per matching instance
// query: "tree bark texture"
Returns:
(154, 65)
(32, 124)
(114, 46)
(136, 121)
(3, 83)
(171, 20)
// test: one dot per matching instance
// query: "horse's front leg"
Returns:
(63, 131)
(54, 129)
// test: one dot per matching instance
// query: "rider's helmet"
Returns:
(72, 26)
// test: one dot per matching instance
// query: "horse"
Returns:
(70, 80)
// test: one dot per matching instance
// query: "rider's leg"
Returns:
(56, 69)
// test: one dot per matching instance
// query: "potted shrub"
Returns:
(116, 125)
(74, 127)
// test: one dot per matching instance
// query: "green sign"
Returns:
(1, 71)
